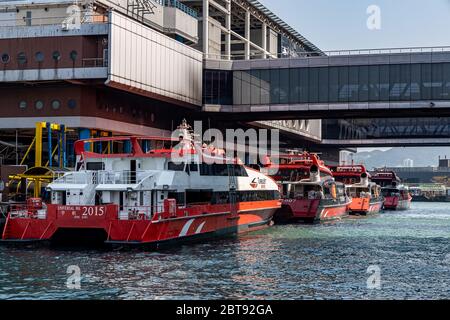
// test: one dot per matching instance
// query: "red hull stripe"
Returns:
(314, 210)
(194, 222)
(367, 208)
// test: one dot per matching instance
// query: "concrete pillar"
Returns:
(228, 34)
(206, 28)
(247, 35)
(264, 39)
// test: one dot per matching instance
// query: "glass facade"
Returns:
(396, 128)
(218, 87)
(336, 84)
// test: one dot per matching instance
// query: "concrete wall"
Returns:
(215, 38)
(178, 22)
(8, 19)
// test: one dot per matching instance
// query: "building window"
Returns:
(56, 104)
(5, 58)
(28, 19)
(73, 55)
(22, 105)
(39, 105)
(56, 55)
(72, 104)
(22, 58)
(39, 56)
(218, 87)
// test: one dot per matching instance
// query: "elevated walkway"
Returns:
(409, 82)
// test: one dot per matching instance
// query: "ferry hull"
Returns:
(201, 222)
(395, 203)
(363, 206)
(310, 211)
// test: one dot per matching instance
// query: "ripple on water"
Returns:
(327, 261)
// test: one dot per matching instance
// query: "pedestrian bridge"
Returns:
(413, 82)
(387, 132)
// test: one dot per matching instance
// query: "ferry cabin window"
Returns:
(179, 197)
(245, 196)
(327, 193)
(250, 196)
(172, 166)
(297, 191)
(240, 171)
(340, 190)
(293, 175)
(221, 170)
(213, 169)
(221, 198)
(355, 192)
(198, 196)
(305, 191)
(95, 166)
(390, 192)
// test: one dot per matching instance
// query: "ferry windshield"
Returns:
(390, 192)
(300, 191)
(359, 192)
(291, 175)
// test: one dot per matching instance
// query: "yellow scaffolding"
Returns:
(37, 145)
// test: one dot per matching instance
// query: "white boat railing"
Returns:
(85, 177)
(122, 177)
(144, 212)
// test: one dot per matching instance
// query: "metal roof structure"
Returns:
(272, 16)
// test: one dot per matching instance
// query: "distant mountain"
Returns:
(395, 157)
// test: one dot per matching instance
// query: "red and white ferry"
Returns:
(366, 195)
(396, 196)
(309, 192)
(148, 198)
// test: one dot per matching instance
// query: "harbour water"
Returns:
(411, 249)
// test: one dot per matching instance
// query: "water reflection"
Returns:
(284, 262)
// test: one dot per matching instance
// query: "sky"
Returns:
(342, 24)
